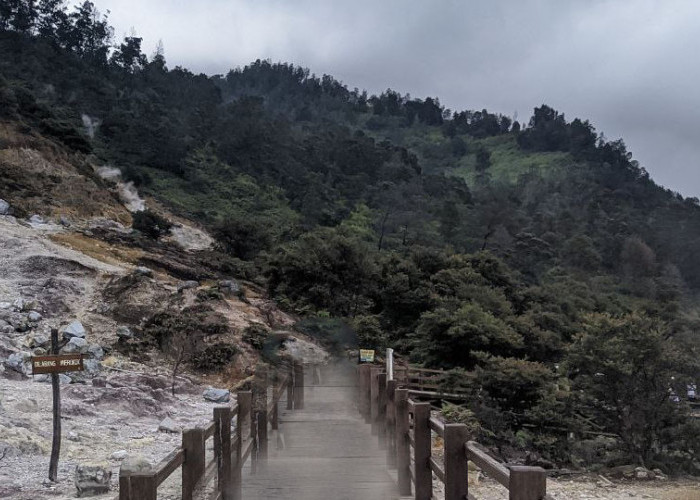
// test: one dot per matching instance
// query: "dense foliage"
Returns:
(539, 255)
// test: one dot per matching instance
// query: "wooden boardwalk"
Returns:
(328, 451)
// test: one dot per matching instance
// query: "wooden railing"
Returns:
(425, 382)
(239, 432)
(405, 427)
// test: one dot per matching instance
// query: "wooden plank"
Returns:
(143, 487)
(374, 398)
(439, 471)
(222, 450)
(492, 467)
(437, 425)
(169, 465)
(298, 386)
(422, 448)
(209, 430)
(381, 410)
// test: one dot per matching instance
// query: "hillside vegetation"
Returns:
(539, 255)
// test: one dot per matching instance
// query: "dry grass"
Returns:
(99, 250)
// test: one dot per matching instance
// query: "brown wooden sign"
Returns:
(57, 364)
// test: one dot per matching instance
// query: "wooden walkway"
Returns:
(325, 450)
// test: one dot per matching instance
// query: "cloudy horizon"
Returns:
(625, 66)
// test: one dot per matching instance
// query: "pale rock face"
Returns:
(92, 478)
(4, 207)
(75, 329)
(75, 345)
(169, 425)
(217, 395)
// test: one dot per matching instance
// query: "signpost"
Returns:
(366, 355)
(54, 365)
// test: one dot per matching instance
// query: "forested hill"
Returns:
(539, 253)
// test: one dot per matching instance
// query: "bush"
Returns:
(214, 357)
(256, 335)
(151, 224)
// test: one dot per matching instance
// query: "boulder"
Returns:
(91, 367)
(20, 362)
(99, 382)
(169, 425)
(144, 271)
(75, 329)
(28, 405)
(64, 221)
(119, 455)
(134, 463)
(4, 207)
(186, 285)
(124, 332)
(643, 473)
(96, 352)
(5, 306)
(217, 395)
(18, 304)
(76, 345)
(34, 316)
(92, 478)
(230, 287)
(36, 219)
(37, 340)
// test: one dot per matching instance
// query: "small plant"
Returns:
(151, 224)
(460, 415)
(214, 357)
(256, 335)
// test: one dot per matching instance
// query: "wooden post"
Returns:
(374, 399)
(290, 388)
(390, 424)
(298, 385)
(193, 466)
(244, 402)
(381, 410)
(527, 483)
(403, 449)
(275, 415)
(56, 391)
(423, 480)
(364, 391)
(222, 450)
(262, 423)
(455, 462)
(142, 486)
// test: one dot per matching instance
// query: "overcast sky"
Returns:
(629, 66)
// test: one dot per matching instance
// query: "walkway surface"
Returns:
(328, 453)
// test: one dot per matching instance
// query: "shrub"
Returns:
(151, 224)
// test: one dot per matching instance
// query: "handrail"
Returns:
(232, 446)
(410, 451)
(495, 469)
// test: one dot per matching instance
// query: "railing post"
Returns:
(364, 391)
(222, 450)
(423, 488)
(290, 387)
(374, 399)
(298, 385)
(390, 424)
(244, 403)
(139, 486)
(527, 483)
(193, 466)
(262, 420)
(381, 410)
(403, 449)
(455, 462)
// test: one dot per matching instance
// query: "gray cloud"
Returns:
(628, 66)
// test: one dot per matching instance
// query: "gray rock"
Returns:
(169, 425)
(75, 329)
(63, 379)
(34, 316)
(217, 395)
(144, 271)
(643, 473)
(18, 304)
(4, 207)
(36, 219)
(5, 305)
(20, 362)
(39, 351)
(27, 406)
(7, 329)
(92, 367)
(75, 345)
(65, 221)
(186, 285)
(124, 332)
(92, 478)
(38, 340)
(73, 436)
(119, 455)
(96, 352)
(229, 286)
(21, 324)
(135, 463)
(99, 382)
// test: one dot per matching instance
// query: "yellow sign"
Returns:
(366, 355)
